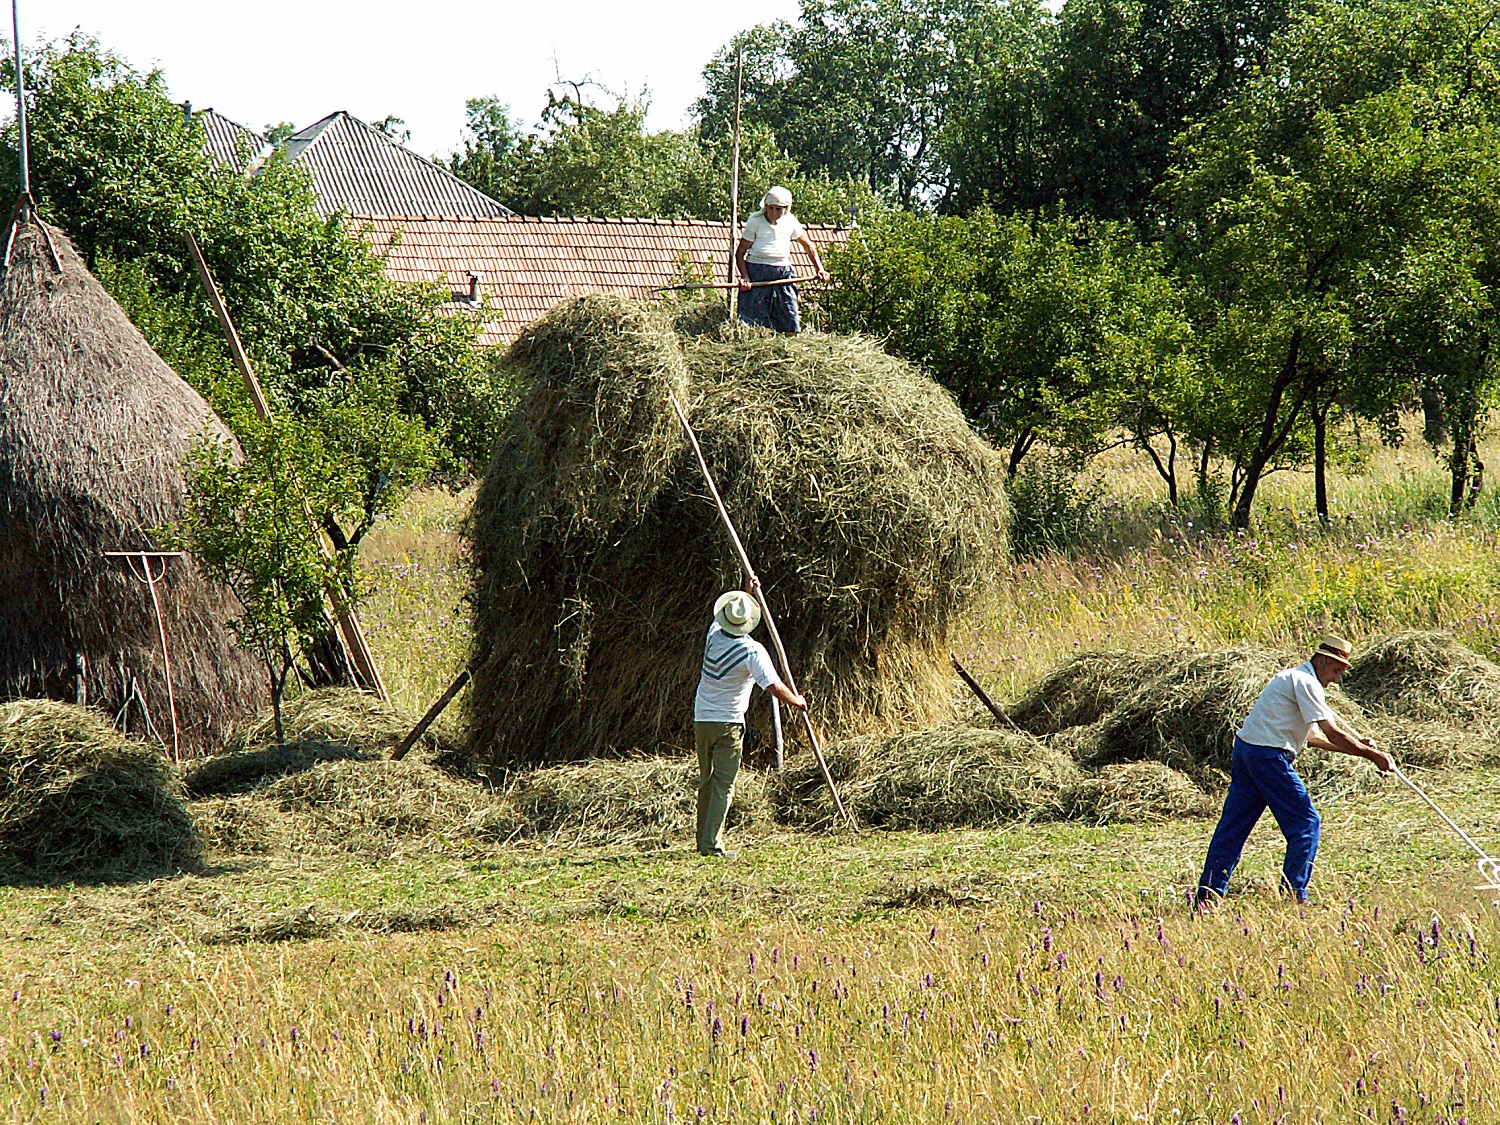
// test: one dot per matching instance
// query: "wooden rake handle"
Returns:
(765, 609)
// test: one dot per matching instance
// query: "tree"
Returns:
(1295, 203)
(125, 172)
(246, 526)
(856, 89)
(592, 160)
(1048, 329)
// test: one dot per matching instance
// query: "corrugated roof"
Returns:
(527, 265)
(357, 169)
(231, 143)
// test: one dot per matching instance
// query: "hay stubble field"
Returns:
(453, 968)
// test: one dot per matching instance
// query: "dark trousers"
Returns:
(1262, 777)
(775, 306)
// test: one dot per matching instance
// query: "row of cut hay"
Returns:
(874, 511)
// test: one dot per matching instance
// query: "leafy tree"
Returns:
(1048, 330)
(246, 526)
(857, 89)
(119, 166)
(1296, 203)
(589, 160)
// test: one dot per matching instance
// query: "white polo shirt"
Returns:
(732, 666)
(1286, 709)
(771, 243)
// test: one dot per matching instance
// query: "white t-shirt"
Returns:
(771, 243)
(1286, 709)
(732, 666)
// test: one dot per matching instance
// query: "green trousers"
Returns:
(719, 748)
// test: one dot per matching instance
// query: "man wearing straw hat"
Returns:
(733, 663)
(1284, 718)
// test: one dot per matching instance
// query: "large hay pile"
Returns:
(78, 799)
(871, 509)
(94, 428)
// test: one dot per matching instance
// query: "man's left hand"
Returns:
(1383, 761)
(822, 274)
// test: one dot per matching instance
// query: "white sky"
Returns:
(280, 60)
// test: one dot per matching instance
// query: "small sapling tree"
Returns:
(247, 525)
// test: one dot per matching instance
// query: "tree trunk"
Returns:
(1434, 420)
(1320, 463)
(1270, 439)
(1018, 451)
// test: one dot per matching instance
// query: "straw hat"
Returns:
(777, 197)
(1334, 647)
(737, 613)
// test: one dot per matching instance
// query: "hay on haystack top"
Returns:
(872, 512)
(94, 427)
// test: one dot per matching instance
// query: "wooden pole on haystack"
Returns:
(765, 609)
(147, 558)
(734, 175)
(15, 24)
(351, 633)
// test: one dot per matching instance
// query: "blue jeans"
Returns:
(775, 306)
(1262, 777)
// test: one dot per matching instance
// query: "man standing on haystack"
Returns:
(733, 663)
(765, 254)
(1285, 715)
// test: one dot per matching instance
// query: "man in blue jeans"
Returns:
(1284, 718)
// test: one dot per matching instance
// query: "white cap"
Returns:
(777, 197)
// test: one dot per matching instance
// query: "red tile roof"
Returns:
(527, 265)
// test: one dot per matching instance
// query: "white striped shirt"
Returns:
(732, 666)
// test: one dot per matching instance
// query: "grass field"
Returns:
(1036, 973)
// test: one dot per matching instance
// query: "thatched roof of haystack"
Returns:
(874, 514)
(94, 428)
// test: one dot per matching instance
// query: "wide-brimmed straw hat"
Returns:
(737, 613)
(1334, 647)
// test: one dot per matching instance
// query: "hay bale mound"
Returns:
(363, 805)
(1084, 689)
(78, 799)
(1185, 714)
(94, 428)
(1136, 793)
(872, 510)
(929, 781)
(647, 802)
(1433, 744)
(244, 825)
(326, 725)
(1426, 677)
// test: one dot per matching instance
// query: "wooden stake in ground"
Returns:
(437, 708)
(983, 696)
(351, 633)
(147, 558)
(765, 609)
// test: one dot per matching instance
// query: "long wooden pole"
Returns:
(351, 633)
(734, 284)
(25, 150)
(437, 708)
(983, 696)
(765, 609)
(734, 177)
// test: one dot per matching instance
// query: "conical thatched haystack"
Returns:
(94, 428)
(872, 511)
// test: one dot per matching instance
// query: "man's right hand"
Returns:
(744, 285)
(1383, 761)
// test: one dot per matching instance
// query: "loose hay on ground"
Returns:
(1084, 689)
(1136, 792)
(327, 725)
(648, 802)
(1427, 677)
(79, 799)
(930, 781)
